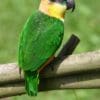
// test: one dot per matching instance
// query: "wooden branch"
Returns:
(77, 63)
(76, 71)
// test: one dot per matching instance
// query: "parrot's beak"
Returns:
(70, 5)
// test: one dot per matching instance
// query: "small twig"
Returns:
(69, 46)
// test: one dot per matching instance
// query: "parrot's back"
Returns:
(39, 40)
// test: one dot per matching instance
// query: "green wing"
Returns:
(39, 40)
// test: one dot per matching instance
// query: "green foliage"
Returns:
(84, 22)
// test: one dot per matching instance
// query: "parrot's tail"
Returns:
(31, 82)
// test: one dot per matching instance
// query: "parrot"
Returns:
(40, 38)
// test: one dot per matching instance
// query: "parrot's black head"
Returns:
(70, 4)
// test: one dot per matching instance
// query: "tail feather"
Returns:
(31, 82)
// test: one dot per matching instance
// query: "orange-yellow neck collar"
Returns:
(53, 9)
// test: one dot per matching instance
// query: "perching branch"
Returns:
(67, 49)
(76, 71)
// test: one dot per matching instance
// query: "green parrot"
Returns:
(40, 38)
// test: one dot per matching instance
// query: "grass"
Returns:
(84, 22)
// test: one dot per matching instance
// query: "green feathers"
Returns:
(31, 82)
(39, 40)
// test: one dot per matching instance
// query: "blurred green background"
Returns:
(84, 22)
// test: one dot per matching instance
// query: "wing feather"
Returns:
(39, 41)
